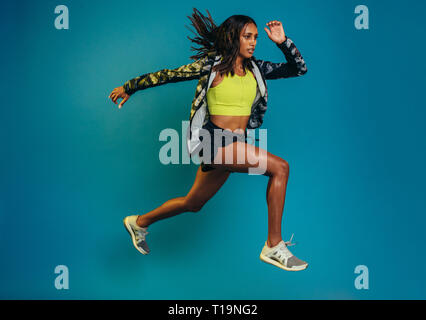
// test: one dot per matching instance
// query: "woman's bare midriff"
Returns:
(229, 122)
(236, 124)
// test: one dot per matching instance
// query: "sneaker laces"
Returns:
(140, 234)
(288, 243)
(283, 253)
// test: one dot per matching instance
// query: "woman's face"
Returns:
(248, 38)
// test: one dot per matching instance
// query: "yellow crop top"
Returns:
(233, 96)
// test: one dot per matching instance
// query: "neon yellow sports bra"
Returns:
(233, 96)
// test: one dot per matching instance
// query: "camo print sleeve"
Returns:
(148, 80)
(294, 67)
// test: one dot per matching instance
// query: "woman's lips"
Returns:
(250, 50)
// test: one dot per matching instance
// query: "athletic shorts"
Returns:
(226, 140)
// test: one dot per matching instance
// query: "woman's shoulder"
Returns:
(212, 55)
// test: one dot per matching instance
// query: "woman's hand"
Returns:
(277, 31)
(119, 93)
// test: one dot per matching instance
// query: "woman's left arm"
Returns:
(295, 65)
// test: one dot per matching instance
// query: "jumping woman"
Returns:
(231, 97)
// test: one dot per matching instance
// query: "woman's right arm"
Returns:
(148, 80)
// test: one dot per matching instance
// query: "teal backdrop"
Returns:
(73, 165)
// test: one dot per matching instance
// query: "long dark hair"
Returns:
(224, 39)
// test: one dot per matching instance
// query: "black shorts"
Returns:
(226, 134)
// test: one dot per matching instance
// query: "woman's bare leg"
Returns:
(205, 186)
(275, 167)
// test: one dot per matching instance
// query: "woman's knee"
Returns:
(282, 168)
(192, 205)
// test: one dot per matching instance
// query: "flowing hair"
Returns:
(224, 39)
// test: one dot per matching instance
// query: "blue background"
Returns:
(73, 165)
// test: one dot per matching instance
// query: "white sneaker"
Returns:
(137, 233)
(281, 257)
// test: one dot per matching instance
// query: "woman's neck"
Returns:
(239, 64)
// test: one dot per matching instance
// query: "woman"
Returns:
(231, 97)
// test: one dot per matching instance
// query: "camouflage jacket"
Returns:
(202, 70)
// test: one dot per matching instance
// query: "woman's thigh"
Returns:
(247, 158)
(205, 186)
